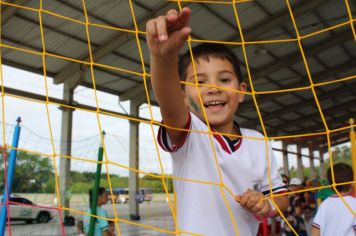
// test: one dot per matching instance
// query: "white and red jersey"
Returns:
(242, 164)
(334, 218)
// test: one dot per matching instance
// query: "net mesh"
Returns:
(50, 148)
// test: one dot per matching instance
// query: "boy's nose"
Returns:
(213, 89)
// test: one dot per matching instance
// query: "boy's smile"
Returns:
(218, 87)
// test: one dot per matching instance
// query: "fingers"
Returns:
(249, 199)
(157, 29)
(182, 36)
(253, 201)
(184, 16)
(238, 198)
(172, 17)
(262, 211)
(160, 27)
(151, 30)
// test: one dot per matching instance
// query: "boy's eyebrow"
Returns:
(219, 72)
(226, 71)
(198, 75)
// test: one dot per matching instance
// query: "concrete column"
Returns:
(322, 170)
(134, 163)
(311, 160)
(285, 158)
(300, 173)
(65, 148)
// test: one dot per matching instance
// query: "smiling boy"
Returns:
(240, 164)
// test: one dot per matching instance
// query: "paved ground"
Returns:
(154, 214)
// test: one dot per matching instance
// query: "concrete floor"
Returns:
(154, 214)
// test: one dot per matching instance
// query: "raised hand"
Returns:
(167, 34)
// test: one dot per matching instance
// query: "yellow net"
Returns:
(152, 123)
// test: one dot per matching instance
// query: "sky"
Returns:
(36, 134)
(40, 127)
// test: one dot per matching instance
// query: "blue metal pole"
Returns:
(10, 176)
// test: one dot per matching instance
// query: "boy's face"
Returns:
(220, 103)
(103, 199)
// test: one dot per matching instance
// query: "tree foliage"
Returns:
(33, 173)
(339, 154)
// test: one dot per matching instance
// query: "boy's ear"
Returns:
(242, 88)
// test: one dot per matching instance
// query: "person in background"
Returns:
(296, 198)
(80, 228)
(308, 219)
(101, 225)
(333, 216)
(285, 179)
(112, 228)
(295, 209)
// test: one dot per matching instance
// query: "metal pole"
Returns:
(65, 150)
(311, 161)
(300, 172)
(10, 176)
(134, 210)
(285, 158)
(321, 157)
(94, 197)
(353, 150)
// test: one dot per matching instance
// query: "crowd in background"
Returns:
(302, 206)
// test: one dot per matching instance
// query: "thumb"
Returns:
(238, 198)
(181, 37)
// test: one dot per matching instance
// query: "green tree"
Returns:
(33, 173)
(340, 154)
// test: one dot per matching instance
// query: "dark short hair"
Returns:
(342, 173)
(206, 50)
(101, 191)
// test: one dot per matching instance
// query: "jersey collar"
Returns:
(226, 143)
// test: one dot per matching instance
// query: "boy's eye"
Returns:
(225, 80)
(200, 81)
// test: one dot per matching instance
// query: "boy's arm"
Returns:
(315, 231)
(282, 203)
(166, 35)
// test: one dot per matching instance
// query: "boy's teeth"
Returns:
(214, 103)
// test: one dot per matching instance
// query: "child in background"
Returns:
(241, 164)
(101, 225)
(333, 217)
(80, 228)
(111, 228)
(308, 219)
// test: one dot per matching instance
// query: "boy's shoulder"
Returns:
(335, 199)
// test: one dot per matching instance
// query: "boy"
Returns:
(240, 164)
(333, 217)
(101, 225)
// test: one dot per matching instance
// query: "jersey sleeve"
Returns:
(164, 140)
(103, 224)
(318, 219)
(277, 184)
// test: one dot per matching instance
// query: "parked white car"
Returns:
(23, 209)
